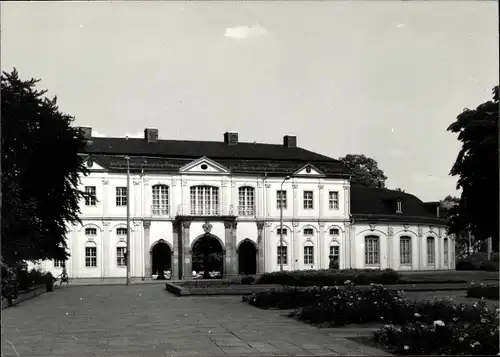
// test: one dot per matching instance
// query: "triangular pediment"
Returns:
(308, 170)
(204, 165)
(92, 164)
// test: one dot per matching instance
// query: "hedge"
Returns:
(483, 291)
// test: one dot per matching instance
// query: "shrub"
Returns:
(330, 277)
(247, 280)
(465, 265)
(483, 291)
(457, 337)
(489, 266)
(478, 261)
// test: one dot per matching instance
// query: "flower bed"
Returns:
(328, 277)
(483, 291)
(472, 333)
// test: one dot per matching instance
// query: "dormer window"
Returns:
(399, 206)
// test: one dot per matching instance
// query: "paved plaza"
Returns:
(145, 320)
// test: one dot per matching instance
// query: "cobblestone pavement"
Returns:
(147, 321)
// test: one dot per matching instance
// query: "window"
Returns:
(335, 252)
(90, 256)
(405, 251)
(333, 200)
(246, 206)
(121, 196)
(280, 199)
(309, 254)
(445, 252)
(121, 231)
(430, 251)
(282, 254)
(160, 200)
(308, 200)
(90, 196)
(284, 230)
(334, 231)
(120, 256)
(372, 251)
(59, 263)
(204, 200)
(308, 231)
(399, 206)
(90, 231)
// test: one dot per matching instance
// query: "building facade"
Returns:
(187, 197)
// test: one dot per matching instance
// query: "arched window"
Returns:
(334, 255)
(121, 249)
(446, 252)
(90, 255)
(405, 250)
(282, 254)
(372, 250)
(246, 201)
(431, 251)
(308, 253)
(160, 200)
(204, 200)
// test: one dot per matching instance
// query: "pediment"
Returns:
(92, 164)
(204, 165)
(309, 170)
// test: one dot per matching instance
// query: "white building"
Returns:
(226, 194)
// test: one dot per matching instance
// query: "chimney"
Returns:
(86, 131)
(151, 135)
(381, 184)
(231, 138)
(290, 141)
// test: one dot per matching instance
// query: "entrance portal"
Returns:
(247, 258)
(208, 258)
(161, 256)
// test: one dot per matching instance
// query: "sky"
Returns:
(380, 78)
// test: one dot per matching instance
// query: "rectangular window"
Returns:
(308, 200)
(399, 206)
(121, 231)
(334, 231)
(59, 264)
(308, 255)
(282, 254)
(334, 251)
(160, 200)
(405, 250)
(90, 256)
(204, 200)
(284, 231)
(308, 231)
(372, 251)
(246, 200)
(333, 200)
(120, 256)
(445, 252)
(90, 196)
(121, 196)
(280, 199)
(90, 231)
(430, 251)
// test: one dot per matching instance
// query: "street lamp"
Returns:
(127, 257)
(281, 222)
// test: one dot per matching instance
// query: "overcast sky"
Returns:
(384, 79)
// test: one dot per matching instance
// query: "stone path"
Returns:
(145, 320)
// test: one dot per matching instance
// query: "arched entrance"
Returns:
(208, 257)
(161, 260)
(247, 258)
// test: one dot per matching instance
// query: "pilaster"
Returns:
(390, 247)
(268, 199)
(146, 249)
(295, 200)
(260, 248)
(136, 207)
(105, 251)
(176, 251)
(173, 200)
(421, 249)
(259, 200)
(295, 248)
(105, 197)
(347, 198)
(231, 259)
(349, 251)
(321, 200)
(233, 204)
(76, 243)
(320, 255)
(186, 250)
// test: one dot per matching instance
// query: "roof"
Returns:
(369, 203)
(171, 155)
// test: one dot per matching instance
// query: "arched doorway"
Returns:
(208, 257)
(247, 258)
(161, 260)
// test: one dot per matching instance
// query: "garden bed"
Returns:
(24, 295)
(483, 291)
(208, 287)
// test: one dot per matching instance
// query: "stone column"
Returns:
(321, 201)
(186, 250)
(295, 248)
(231, 260)
(268, 200)
(320, 255)
(176, 268)
(390, 247)
(260, 248)
(146, 249)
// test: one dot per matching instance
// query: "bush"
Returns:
(483, 291)
(473, 334)
(489, 266)
(247, 280)
(465, 265)
(28, 279)
(478, 262)
(330, 277)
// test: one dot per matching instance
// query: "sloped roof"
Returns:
(378, 203)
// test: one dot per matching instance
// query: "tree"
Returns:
(399, 189)
(365, 170)
(40, 172)
(476, 167)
